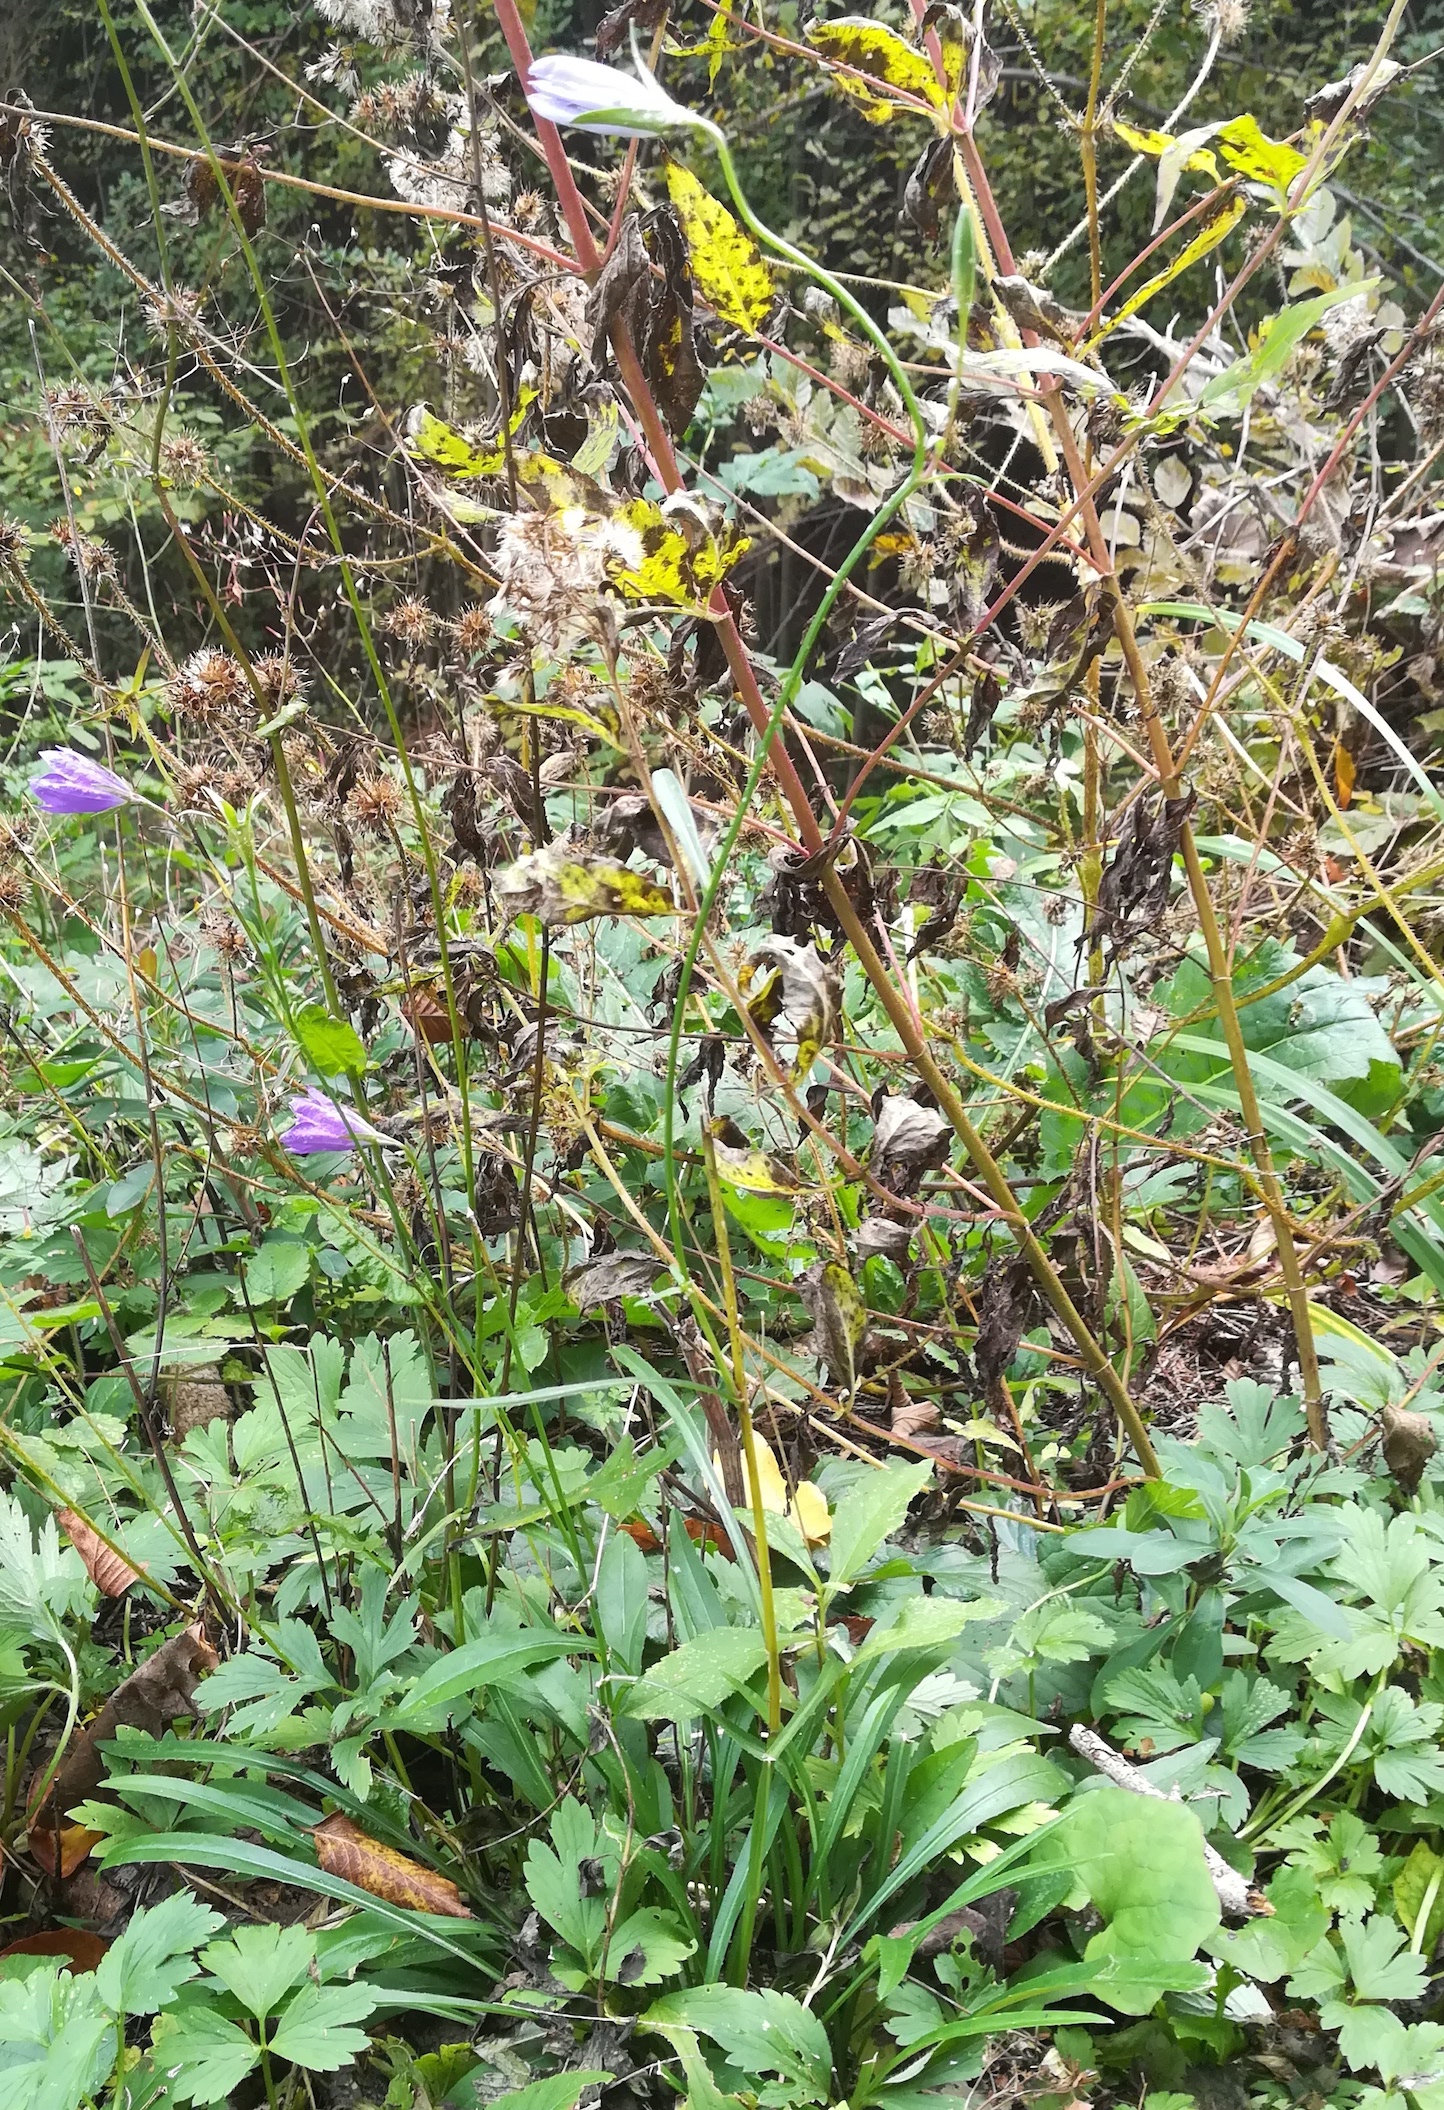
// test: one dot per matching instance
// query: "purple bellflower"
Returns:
(69, 782)
(597, 98)
(318, 1123)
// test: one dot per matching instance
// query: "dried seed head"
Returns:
(278, 678)
(467, 889)
(225, 934)
(1034, 623)
(209, 688)
(411, 620)
(14, 889)
(472, 629)
(96, 559)
(1229, 18)
(14, 545)
(178, 310)
(376, 802)
(529, 211)
(238, 786)
(185, 460)
(73, 408)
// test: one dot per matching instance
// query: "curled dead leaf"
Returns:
(158, 1692)
(80, 1950)
(110, 1571)
(1409, 1443)
(560, 886)
(61, 1853)
(344, 1850)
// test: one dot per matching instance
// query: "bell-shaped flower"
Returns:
(318, 1123)
(69, 782)
(596, 98)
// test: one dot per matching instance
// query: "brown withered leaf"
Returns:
(911, 1417)
(426, 1014)
(811, 997)
(614, 28)
(61, 1853)
(1134, 890)
(1409, 1443)
(344, 1850)
(838, 1319)
(908, 1140)
(111, 1572)
(159, 1691)
(75, 1948)
(655, 308)
(1005, 1304)
(880, 1236)
(610, 1277)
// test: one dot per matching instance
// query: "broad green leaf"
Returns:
(698, 1676)
(261, 1964)
(492, 1659)
(761, 2032)
(275, 1273)
(1141, 1862)
(727, 265)
(647, 1948)
(146, 1966)
(57, 2043)
(555, 2091)
(621, 1600)
(315, 2030)
(868, 1514)
(1277, 339)
(204, 2055)
(332, 1047)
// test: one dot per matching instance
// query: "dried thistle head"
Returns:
(529, 211)
(411, 621)
(185, 460)
(209, 688)
(472, 629)
(14, 889)
(221, 930)
(376, 802)
(96, 559)
(468, 890)
(72, 408)
(14, 545)
(1228, 17)
(1036, 622)
(178, 310)
(278, 678)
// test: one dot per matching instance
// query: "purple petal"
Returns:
(319, 1124)
(69, 782)
(568, 91)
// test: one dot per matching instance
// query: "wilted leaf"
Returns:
(811, 997)
(613, 1276)
(805, 1504)
(907, 1141)
(560, 887)
(1410, 1441)
(160, 1691)
(741, 1164)
(344, 1850)
(838, 1319)
(882, 59)
(111, 1572)
(727, 266)
(63, 1852)
(655, 307)
(81, 1951)
(1215, 229)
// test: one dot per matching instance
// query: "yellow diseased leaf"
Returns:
(432, 440)
(1212, 232)
(674, 567)
(1253, 154)
(727, 265)
(742, 1164)
(560, 888)
(872, 49)
(1142, 142)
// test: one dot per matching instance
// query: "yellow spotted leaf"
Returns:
(1212, 232)
(558, 887)
(674, 567)
(727, 265)
(1254, 155)
(877, 59)
(741, 1164)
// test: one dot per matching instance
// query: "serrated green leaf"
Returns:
(146, 1966)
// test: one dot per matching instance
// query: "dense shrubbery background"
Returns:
(720, 1240)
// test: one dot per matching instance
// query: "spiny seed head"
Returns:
(376, 802)
(178, 310)
(14, 545)
(14, 890)
(1034, 623)
(210, 687)
(411, 621)
(472, 629)
(72, 408)
(278, 678)
(528, 210)
(225, 934)
(185, 460)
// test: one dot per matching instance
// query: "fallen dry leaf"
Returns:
(61, 1853)
(73, 1945)
(1409, 1444)
(111, 1572)
(158, 1692)
(344, 1850)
